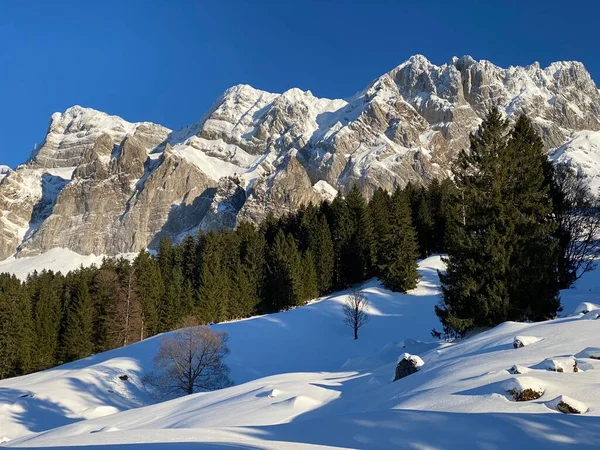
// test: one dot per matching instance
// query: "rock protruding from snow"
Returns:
(561, 365)
(524, 389)
(586, 307)
(523, 341)
(407, 365)
(568, 405)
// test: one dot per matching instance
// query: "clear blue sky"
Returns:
(166, 61)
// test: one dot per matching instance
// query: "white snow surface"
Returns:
(4, 170)
(57, 259)
(302, 382)
(582, 153)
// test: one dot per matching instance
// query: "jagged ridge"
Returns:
(99, 184)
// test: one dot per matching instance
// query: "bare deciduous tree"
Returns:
(578, 216)
(355, 311)
(190, 360)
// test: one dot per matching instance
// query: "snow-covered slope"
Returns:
(303, 382)
(582, 153)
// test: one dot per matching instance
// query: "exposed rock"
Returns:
(99, 184)
(407, 365)
(525, 395)
(568, 405)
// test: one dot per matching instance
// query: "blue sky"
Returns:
(166, 61)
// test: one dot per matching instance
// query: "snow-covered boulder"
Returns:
(407, 365)
(523, 341)
(568, 405)
(586, 307)
(559, 365)
(524, 389)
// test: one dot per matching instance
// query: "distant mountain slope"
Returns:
(102, 185)
(303, 382)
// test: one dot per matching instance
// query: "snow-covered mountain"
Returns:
(101, 185)
(302, 382)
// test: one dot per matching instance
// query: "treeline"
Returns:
(52, 318)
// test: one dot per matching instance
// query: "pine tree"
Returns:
(284, 268)
(16, 327)
(358, 255)
(341, 226)
(309, 280)
(316, 238)
(45, 292)
(252, 262)
(533, 283)
(213, 294)
(425, 226)
(77, 338)
(379, 209)
(477, 284)
(149, 289)
(398, 267)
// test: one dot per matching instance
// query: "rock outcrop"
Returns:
(99, 184)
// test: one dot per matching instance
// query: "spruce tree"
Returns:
(398, 267)
(533, 280)
(45, 293)
(213, 294)
(341, 226)
(77, 338)
(379, 209)
(504, 210)
(358, 255)
(16, 327)
(149, 289)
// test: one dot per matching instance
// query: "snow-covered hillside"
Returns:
(303, 382)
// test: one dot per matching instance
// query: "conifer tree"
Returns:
(149, 289)
(308, 278)
(77, 338)
(398, 267)
(45, 293)
(284, 267)
(358, 255)
(379, 209)
(16, 328)
(533, 282)
(425, 226)
(504, 245)
(213, 294)
(341, 226)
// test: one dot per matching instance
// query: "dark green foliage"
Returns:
(358, 254)
(213, 294)
(45, 291)
(149, 289)
(284, 279)
(77, 336)
(398, 265)
(16, 328)
(379, 209)
(501, 260)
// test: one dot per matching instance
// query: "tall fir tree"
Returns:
(503, 253)
(213, 294)
(341, 226)
(358, 255)
(379, 208)
(45, 293)
(533, 285)
(77, 338)
(149, 289)
(398, 267)
(16, 327)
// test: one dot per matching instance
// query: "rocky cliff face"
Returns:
(102, 185)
